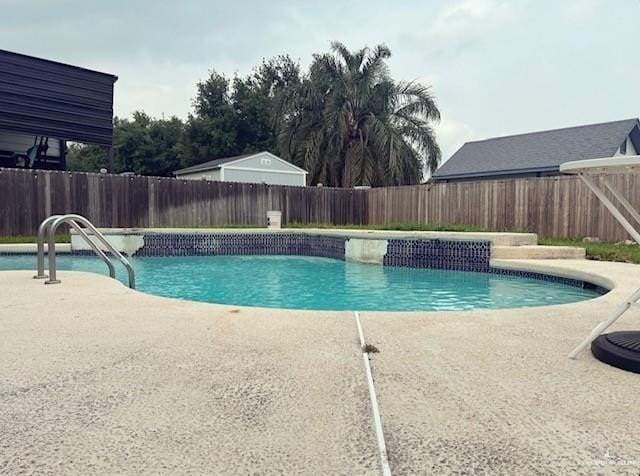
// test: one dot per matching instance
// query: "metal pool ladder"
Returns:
(52, 224)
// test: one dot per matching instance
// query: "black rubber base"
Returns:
(620, 349)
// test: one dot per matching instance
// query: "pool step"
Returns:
(537, 252)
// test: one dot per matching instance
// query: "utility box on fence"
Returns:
(274, 219)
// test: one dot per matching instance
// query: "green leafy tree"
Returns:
(237, 116)
(210, 132)
(255, 99)
(142, 145)
(148, 146)
(86, 158)
(348, 123)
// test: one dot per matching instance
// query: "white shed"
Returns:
(261, 167)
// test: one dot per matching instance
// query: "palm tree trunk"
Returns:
(347, 171)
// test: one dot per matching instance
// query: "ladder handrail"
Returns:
(87, 224)
(42, 231)
(53, 222)
(94, 247)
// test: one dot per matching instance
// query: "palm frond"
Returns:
(414, 98)
(374, 66)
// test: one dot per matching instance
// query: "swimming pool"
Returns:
(309, 282)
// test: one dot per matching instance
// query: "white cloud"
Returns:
(469, 22)
(451, 134)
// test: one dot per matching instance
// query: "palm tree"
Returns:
(349, 123)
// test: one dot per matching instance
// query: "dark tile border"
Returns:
(88, 253)
(207, 244)
(23, 253)
(549, 277)
(456, 255)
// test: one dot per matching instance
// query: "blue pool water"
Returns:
(299, 282)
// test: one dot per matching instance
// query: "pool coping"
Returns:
(496, 238)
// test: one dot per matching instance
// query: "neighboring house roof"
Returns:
(216, 164)
(538, 151)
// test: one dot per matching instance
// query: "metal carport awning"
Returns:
(45, 98)
(585, 170)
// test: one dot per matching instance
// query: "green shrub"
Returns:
(602, 251)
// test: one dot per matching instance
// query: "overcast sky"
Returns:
(496, 67)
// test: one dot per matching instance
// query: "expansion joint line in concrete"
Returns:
(377, 421)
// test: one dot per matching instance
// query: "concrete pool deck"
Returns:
(96, 378)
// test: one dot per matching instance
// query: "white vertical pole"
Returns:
(625, 203)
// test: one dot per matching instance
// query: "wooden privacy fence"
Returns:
(27, 197)
(559, 206)
(549, 206)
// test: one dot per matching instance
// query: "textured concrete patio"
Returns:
(99, 379)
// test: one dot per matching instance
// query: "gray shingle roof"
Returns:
(212, 164)
(537, 151)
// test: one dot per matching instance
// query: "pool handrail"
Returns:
(51, 225)
(42, 231)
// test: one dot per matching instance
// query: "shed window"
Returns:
(265, 161)
(623, 147)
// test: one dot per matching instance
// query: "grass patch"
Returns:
(393, 226)
(10, 240)
(601, 251)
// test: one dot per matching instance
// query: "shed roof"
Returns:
(212, 164)
(217, 163)
(538, 151)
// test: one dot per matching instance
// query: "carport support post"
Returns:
(110, 153)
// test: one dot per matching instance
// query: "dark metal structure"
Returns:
(46, 100)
